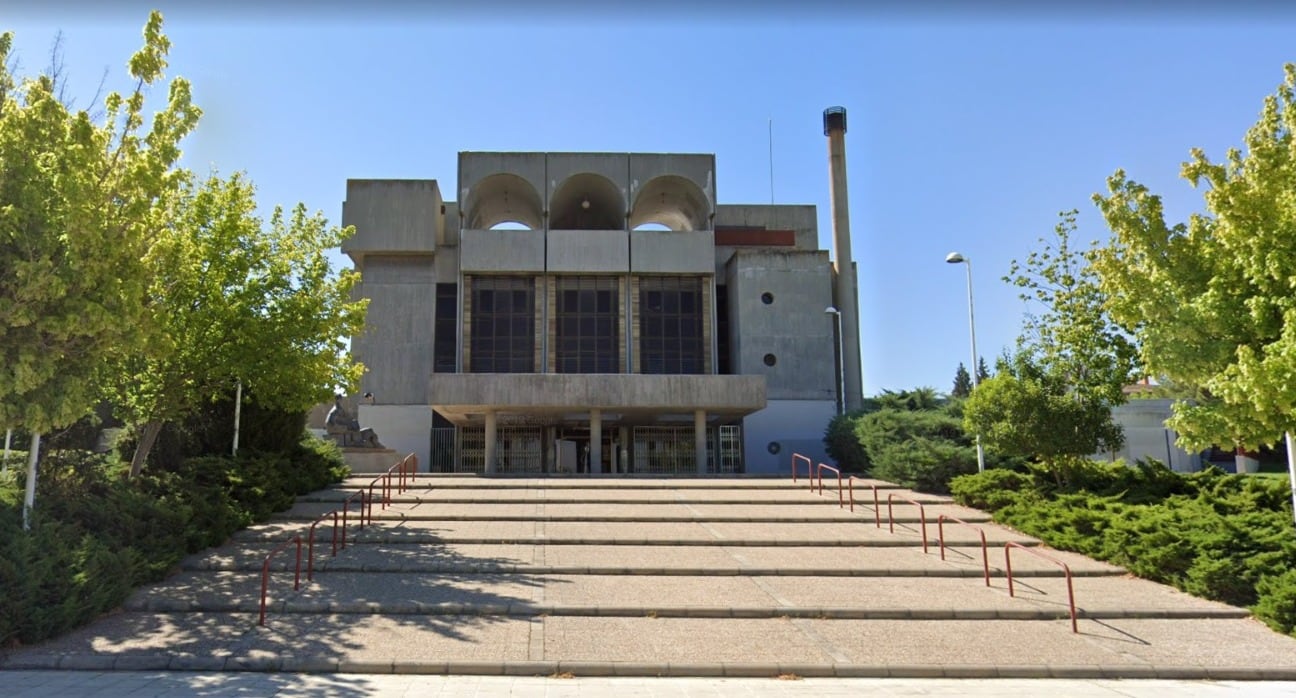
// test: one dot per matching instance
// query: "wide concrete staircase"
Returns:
(670, 577)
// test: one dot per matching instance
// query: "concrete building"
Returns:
(595, 313)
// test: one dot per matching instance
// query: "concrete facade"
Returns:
(596, 312)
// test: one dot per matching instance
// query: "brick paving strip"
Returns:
(661, 577)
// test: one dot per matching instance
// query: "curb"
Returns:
(331, 665)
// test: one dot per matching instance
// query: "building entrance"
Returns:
(573, 450)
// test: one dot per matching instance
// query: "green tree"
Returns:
(1213, 302)
(78, 210)
(983, 371)
(232, 299)
(962, 382)
(1052, 400)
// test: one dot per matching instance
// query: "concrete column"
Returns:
(625, 449)
(490, 441)
(699, 440)
(596, 442)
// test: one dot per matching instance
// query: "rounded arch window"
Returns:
(770, 359)
(503, 201)
(587, 201)
(672, 201)
(767, 298)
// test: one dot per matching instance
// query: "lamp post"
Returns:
(841, 373)
(956, 258)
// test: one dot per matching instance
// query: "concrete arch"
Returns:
(503, 198)
(672, 201)
(587, 201)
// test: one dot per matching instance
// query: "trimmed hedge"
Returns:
(1223, 537)
(96, 536)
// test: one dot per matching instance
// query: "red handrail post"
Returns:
(819, 471)
(922, 515)
(809, 468)
(265, 572)
(985, 555)
(1065, 569)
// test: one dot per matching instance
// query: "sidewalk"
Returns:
(31, 684)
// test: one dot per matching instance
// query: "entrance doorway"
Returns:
(572, 451)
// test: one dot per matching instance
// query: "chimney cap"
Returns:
(834, 118)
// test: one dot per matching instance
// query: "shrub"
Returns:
(1223, 537)
(95, 535)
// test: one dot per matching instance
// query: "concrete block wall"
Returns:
(793, 327)
(397, 340)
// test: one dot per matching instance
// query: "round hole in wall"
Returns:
(770, 359)
(774, 447)
(767, 298)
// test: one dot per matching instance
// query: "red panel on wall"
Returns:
(726, 236)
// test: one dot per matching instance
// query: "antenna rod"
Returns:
(771, 159)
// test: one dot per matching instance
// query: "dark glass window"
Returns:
(670, 329)
(446, 328)
(503, 325)
(587, 325)
(722, 331)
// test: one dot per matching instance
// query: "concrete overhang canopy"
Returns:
(462, 397)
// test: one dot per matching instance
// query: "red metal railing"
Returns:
(265, 571)
(1070, 591)
(310, 543)
(922, 515)
(841, 501)
(985, 555)
(877, 510)
(408, 463)
(809, 475)
(404, 471)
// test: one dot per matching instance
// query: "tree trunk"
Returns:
(1291, 471)
(29, 498)
(148, 436)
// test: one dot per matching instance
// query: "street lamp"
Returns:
(956, 258)
(841, 373)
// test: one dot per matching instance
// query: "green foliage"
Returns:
(1211, 302)
(911, 437)
(843, 446)
(97, 535)
(1028, 411)
(79, 207)
(962, 383)
(233, 299)
(1222, 537)
(1052, 401)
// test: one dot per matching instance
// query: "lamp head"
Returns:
(955, 258)
(830, 310)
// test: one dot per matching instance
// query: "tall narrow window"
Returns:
(447, 324)
(670, 325)
(722, 330)
(587, 311)
(503, 325)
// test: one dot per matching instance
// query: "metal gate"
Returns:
(517, 450)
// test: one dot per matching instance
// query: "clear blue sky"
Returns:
(968, 131)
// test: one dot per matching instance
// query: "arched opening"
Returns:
(587, 201)
(671, 201)
(652, 226)
(503, 199)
